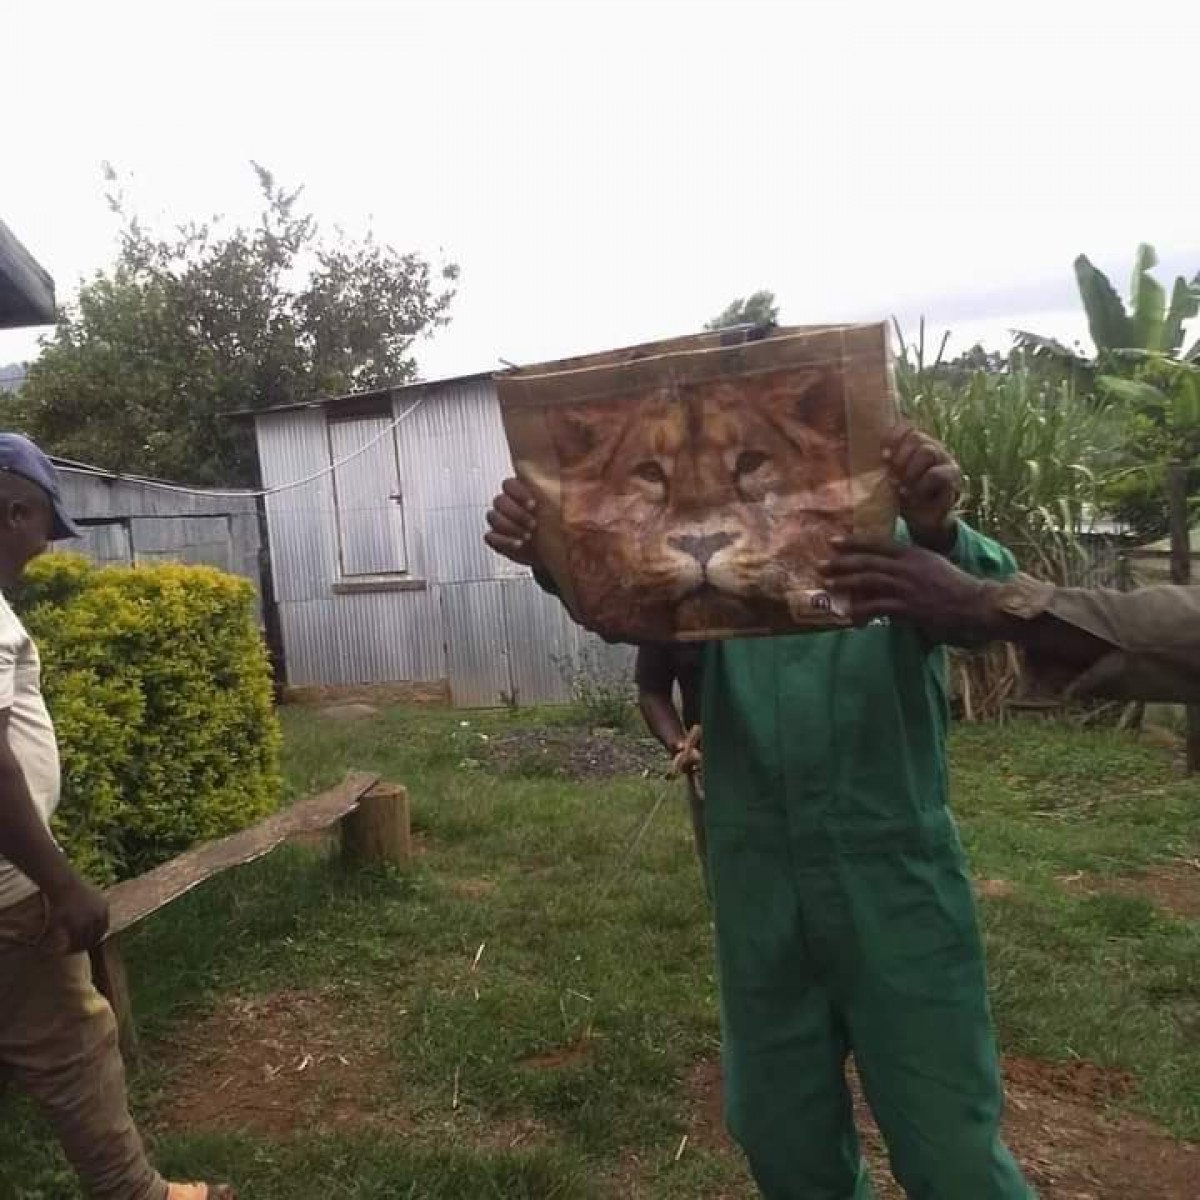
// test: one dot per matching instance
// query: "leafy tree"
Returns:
(207, 320)
(759, 308)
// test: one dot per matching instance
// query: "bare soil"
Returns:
(574, 753)
(1172, 886)
(1059, 1123)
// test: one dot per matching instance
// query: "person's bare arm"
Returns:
(25, 842)
(655, 676)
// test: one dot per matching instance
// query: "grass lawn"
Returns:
(529, 1011)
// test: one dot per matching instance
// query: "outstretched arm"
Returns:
(1140, 645)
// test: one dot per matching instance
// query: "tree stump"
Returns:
(378, 831)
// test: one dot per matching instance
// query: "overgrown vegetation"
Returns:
(1035, 453)
(1144, 371)
(161, 694)
(601, 685)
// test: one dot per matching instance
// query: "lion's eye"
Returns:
(749, 461)
(651, 472)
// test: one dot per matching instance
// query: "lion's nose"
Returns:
(702, 546)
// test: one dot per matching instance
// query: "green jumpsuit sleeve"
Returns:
(981, 556)
(972, 552)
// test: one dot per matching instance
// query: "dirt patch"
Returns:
(1055, 1123)
(424, 694)
(349, 712)
(706, 1127)
(568, 752)
(561, 1057)
(473, 889)
(491, 1134)
(994, 889)
(1079, 1080)
(273, 1066)
(1172, 886)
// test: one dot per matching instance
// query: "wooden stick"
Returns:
(112, 982)
(1181, 573)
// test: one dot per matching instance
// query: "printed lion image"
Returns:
(706, 507)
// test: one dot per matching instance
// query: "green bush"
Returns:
(160, 690)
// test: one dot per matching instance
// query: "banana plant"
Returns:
(1150, 323)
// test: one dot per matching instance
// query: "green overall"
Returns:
(844, 915)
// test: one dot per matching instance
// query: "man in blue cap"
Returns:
(58, 1036)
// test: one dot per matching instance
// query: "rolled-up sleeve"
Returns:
(1154, 633)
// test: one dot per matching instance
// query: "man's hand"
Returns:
(928, 483)
(687, 758)
(885, 579)
(80, 911)
(513, 521)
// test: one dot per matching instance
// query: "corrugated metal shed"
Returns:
(127, 520)
(440, 606)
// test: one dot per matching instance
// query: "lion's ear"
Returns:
(577, 432)
(813, 400)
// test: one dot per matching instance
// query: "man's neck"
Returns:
(10, 574)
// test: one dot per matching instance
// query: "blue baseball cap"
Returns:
(19, 456)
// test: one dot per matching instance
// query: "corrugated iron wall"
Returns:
(465, 614)
(128, 520)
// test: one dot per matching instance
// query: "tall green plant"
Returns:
(1035, 454)
(1141, 370)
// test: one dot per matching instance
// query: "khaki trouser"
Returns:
(58, 1041)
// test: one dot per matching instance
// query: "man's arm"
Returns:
(1140, 645)
(24, 839)
(26, 843)
(655, 676)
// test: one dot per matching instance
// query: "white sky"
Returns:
(610, 172)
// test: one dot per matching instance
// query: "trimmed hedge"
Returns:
(160, 690)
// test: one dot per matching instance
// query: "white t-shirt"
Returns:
(30, 735)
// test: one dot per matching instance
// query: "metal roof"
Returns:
(26, 290)
(351, 398)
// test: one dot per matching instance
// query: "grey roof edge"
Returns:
(26, 289)
(248, 414)
(75, 467)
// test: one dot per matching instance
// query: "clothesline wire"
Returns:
(253, 493)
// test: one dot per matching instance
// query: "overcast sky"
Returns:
(610, 172)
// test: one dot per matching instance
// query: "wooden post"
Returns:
(378, 831)
(1181, 573)
(108, 973)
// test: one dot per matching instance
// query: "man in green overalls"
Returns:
(845, 922)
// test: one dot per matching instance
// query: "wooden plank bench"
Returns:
(373, 819)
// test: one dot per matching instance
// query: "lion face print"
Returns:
(707, 506)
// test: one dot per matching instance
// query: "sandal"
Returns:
(200, 1191)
